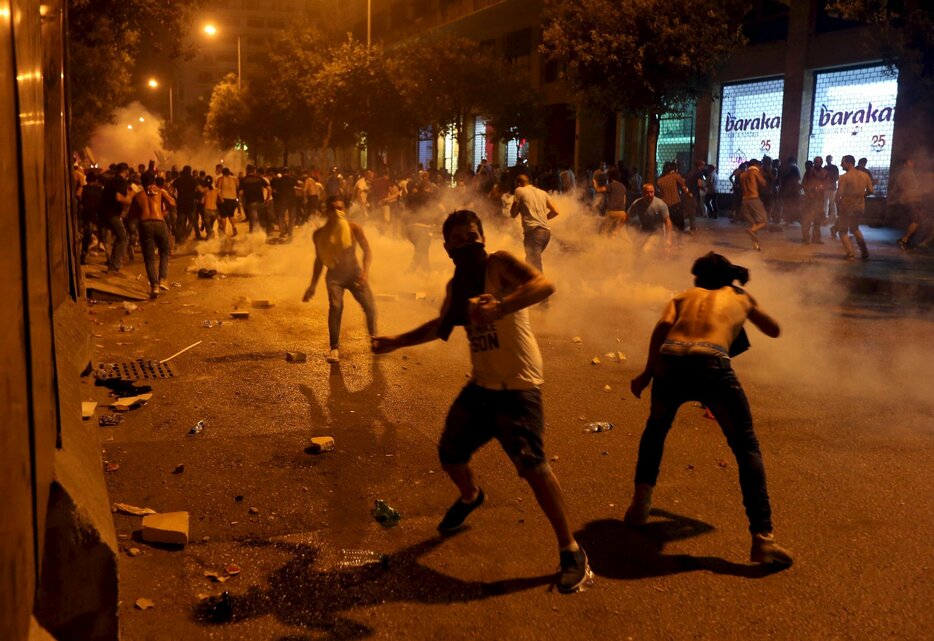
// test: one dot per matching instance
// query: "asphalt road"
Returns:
(842, 408)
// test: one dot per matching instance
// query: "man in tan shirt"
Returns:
(752, 208)
(852, 189)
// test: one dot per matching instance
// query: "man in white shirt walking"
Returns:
(536, 209)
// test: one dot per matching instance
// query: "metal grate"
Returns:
(139, 370)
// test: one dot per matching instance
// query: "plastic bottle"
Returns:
(362, 558)
(601, 426)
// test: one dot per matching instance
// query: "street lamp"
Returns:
(154, 84)
(210, 30)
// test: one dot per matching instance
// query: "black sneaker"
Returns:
(575, 572)
(456, 515)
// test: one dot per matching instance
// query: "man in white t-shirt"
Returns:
(536, 209)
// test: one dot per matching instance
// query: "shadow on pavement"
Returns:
(301, 594)
(620, 551)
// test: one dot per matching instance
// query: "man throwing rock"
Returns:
(336, 248)
(489, 295)
(689, 359)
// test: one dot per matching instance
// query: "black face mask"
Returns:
(469, 281)
(470, 257)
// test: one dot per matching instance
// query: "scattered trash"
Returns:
(263, 303)
(205, 539)
(127, 403)
(208, 324)
(240, 314)
(179, 468)
(126, 508)
(576, 339)
(607, 388)
(178, 353)
(385, 515)
(238, 498)
(232, 569)
(554, 458)
(216, 609)
(385, 297)
(320, 444)
(690, 466)
(296, 357)
(254, 510)
(600, 426)
(215, 576)
(723, 463)
(206, 273)
(111, 467)
(197, 429)
(412, 295)
(110, 420)
(595, 361)
(175, 283)
(362, 558)
(130, 307)
(87, 409)
(126, 328)
(620, 356)
(170, 528)
(145, 604)
(134, 552)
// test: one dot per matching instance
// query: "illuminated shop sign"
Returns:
(854, 113)
(750, 125)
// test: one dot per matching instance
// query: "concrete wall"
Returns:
(57, 544)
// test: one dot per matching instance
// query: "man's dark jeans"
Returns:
(155, 234)
(336, 284)
(121, 240)
(710, 380)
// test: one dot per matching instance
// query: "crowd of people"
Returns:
(179, 204)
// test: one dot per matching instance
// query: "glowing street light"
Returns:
(153, 83)
(211, 30)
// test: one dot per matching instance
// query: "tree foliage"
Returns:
(104, 38)
(228, 115)
(904, 36)
(641, 57)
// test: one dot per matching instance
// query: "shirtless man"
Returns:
(153, 231)
(489, 295)
(689, 359)
(336, 248)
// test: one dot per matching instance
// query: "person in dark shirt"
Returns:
(253, 195)
(186, 190)
(113, 199)
(91, 196)
(283, 195)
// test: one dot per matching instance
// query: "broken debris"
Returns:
(126, 508)
(87, 409)
(320, 444)
(128, 403)
(197, 428)
(576, 339)
(110, 420)
(296, 357)
(385, 514)
(145, 604)
(179, 468)
(240, 314)
(170, 528)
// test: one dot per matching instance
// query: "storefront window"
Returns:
(479, 141)
(426, 148)
(854, 113)
(750, 125)
(676, 139)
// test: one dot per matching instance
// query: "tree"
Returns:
(228, 114)
(519, 114)
(444, 80)
(104, 38)
(903, 36)
(641, 57)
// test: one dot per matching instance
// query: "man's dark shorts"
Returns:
(513, 417)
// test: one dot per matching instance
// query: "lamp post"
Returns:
(210, 30)
(154, 84)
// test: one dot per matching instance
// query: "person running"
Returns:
(753, 211)
(153, 231)
(908, 195)
(689, 359)
(336, 248)
(535, 208)
(228, 188)
(252, 191)
(490, 295)
(653, 215)
(209, 203)
(853, 187)
(616, 215)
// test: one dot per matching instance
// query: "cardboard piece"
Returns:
(128, 403)
(240, 314)
(320, 444)
(87, 409)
